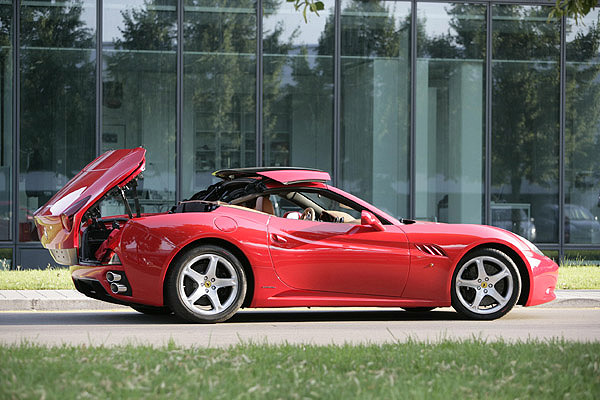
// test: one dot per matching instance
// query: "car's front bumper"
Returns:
(543, 278)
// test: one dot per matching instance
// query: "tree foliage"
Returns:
(313, 6)
(576, 9)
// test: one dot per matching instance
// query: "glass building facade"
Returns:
(482, 112)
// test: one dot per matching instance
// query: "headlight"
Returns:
(532, 246)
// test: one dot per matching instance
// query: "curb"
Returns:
(51, 300)
(71, 300)
(574, 299)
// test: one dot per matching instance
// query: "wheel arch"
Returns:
(236, 251)
(514, 256)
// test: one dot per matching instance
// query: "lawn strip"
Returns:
(36, 279)
(469, 369)
(579, 277)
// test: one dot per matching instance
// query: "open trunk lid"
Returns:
(58, 220)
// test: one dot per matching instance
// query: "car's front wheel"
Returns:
(485, 285)
(206, 284)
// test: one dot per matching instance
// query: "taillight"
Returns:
(67, 222)
(69, 214)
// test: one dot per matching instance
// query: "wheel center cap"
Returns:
(484, 284)
(207, 284)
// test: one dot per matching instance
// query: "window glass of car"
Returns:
(298, 201)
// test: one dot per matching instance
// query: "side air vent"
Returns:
(431, 249)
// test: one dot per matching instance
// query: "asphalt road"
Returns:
(316, 326)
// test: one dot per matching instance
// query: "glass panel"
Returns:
(219, 109)
(328, 208)
(553, 254)
(139, 90)
(525, 121)
(581, 257)
(6, 145)
(450, 112)
(298, 88)
(375, 106)
(5, 259)
(58, 100)
(582, 133)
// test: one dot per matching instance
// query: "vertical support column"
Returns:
(179, 102)
(561, 157)
(487, 188)
(259, 83)
(413, 108)
(16, 124)
(337, 107)
(99, 20)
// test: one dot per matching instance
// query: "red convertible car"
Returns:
(277, 237)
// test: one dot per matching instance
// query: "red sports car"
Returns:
(277, 237)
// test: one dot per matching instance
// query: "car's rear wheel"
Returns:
(485, 285)
(206, 284)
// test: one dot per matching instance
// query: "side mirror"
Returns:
(368, 219)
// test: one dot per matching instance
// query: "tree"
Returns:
(576, 9)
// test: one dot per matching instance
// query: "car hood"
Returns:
(111, 169)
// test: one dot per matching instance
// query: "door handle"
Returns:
(277, 238)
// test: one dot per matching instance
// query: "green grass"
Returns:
(579, 277)
(36, 279)
(569, 277)
(460, 370)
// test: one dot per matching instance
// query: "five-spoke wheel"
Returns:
(206, 284)
(485, 285)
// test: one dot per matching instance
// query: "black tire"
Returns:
(206, 284)
(418, 309)
(151, 310)
(485, 285)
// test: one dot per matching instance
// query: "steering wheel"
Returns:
(308, 214)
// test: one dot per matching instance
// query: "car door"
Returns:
(339, 257)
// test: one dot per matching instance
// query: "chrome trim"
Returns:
(117, 288)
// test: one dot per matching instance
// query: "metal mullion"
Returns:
(561, 151)
(99, 21)
(179, 103)
(259, 84)
(488, 119)
(413, 107)
(337, 106)
(15, 130)
(582, 246)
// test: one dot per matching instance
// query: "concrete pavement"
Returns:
(295, 326)
(71, 300)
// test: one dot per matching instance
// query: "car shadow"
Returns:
(341, 315)
(242, 317)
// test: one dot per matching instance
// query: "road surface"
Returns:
(316, 326)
